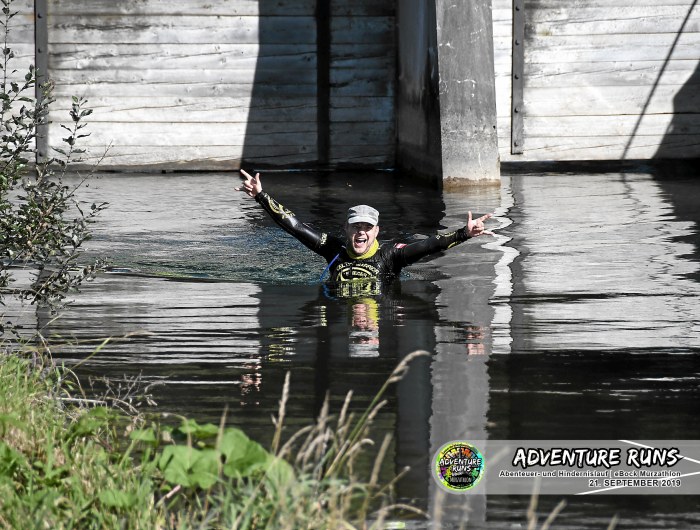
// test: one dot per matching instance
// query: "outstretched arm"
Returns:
(414, 251)
(282, 216)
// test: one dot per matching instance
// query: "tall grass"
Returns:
(66, 465)
(59, 467)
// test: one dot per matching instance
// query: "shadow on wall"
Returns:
(281, 128)
(682, 138)
(322, 95)
(419, 149)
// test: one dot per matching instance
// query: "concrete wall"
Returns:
(604, 80)
(187, 85)
(467, 92)
(177, 84)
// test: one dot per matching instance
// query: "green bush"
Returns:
(42, 224)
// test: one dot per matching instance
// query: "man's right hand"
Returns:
(251, 185)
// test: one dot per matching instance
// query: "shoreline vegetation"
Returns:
(68, 463)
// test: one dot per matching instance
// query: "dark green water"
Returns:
(580, 320)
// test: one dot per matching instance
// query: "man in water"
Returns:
(361, 258)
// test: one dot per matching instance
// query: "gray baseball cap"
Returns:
(363, 214)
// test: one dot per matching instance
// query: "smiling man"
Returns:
(360, 259)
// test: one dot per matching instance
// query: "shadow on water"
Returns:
(579, 320)
(678, 183)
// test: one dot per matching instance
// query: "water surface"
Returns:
(579, 320)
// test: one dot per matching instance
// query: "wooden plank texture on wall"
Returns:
(603, 80)
(181, 29)
(362, 74)
(20, 40)
(169, 77)
(190, 75)
(502, 50)
(222, 7)
(191, 84)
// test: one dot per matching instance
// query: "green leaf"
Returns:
(279, 472)
(242, 456)
(205, 470)
(196, 430)
(144, 435)
(174, 462)
(189, 467)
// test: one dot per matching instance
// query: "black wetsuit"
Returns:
(381, 265)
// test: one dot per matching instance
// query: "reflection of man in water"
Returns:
(364, 330)
(360, 259)
(364, 314)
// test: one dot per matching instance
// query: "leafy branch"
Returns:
(42, 224)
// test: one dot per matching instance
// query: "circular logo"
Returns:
(458, 466)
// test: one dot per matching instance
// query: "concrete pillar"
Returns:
(446, 101)
(467, 92)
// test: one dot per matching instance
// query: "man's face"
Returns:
(361, 236)
(361, 318)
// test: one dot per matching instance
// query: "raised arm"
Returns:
(414, 251)
(285, 218)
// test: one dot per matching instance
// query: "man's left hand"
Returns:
(475, 227)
